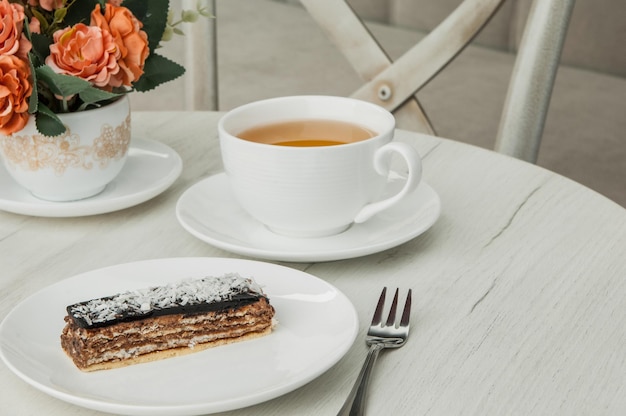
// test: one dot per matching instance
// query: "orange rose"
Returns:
(86, 52)
(130, 39)
(12, 40)
(15, 89)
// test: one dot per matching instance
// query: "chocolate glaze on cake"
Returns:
(170, 320)
(187, 297)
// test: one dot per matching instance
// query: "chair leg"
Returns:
(201, 84)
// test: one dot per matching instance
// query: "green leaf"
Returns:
(59, 15)
(33, 101)
(158, 70)
(47, 122)
(153, 14)
(94, 95)
(41, 47)
(60, 84)
(80, 12)
(43, 22)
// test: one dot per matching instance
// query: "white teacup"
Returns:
(313, 191)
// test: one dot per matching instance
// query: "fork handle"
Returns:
(355, 403)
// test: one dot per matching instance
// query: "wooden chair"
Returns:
(393, 85)
(200, 60)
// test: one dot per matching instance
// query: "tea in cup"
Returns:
(310, 166)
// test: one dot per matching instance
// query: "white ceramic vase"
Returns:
(74, 165)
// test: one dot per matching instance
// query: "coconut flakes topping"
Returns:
(144, 301)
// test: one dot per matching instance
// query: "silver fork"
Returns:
(389, 334)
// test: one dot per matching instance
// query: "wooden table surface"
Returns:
(519, 289)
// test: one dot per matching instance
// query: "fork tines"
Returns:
(391, 318)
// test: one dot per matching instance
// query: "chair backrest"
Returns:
(393, 85)
(530, 88)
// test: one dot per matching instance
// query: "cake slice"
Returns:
(165, 321)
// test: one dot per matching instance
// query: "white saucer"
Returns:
(208, 211)
(150, 169)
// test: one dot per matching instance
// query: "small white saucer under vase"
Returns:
(76, 164)
(151, 168)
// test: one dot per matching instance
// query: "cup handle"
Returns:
(414, 165)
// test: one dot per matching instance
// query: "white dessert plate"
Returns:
(317, 325)
(208, 210)
(150, 169)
